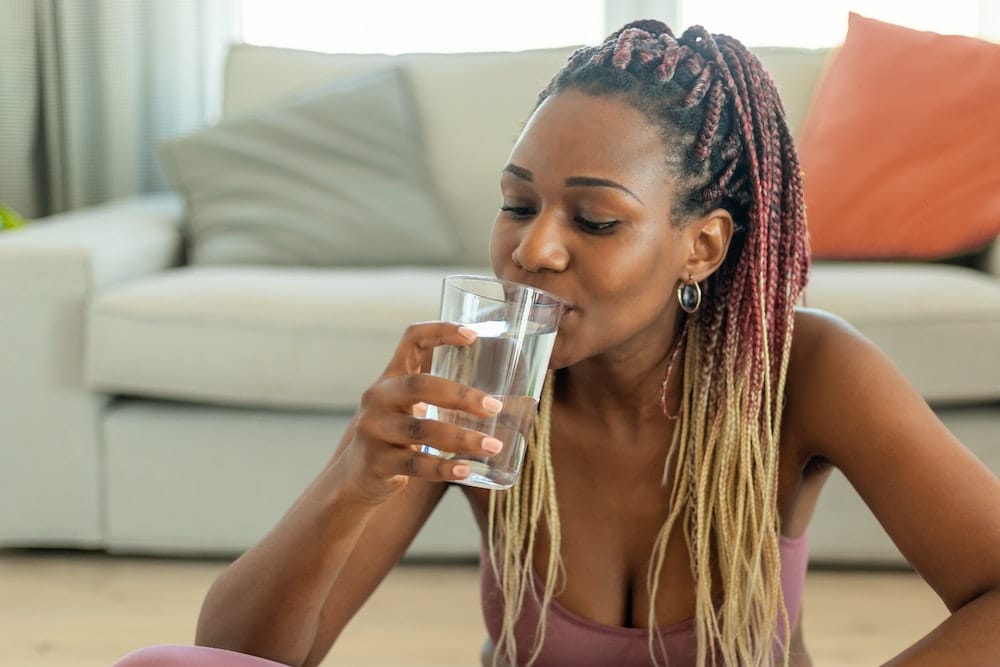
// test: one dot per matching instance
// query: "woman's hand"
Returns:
(290, 596)
(390, 426)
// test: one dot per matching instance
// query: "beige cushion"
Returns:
(471, 108)
(940, 324)
(333, 177)
(796, 73)
(307, 338)
(314, 338)
(992, 258)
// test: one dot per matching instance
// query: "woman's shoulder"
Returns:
(813, 326)
(827, 353)
(820, 342)
(835, 376)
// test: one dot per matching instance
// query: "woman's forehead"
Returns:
(589, 135)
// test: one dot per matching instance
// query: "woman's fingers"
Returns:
(413, 463)
(392, 417)
(407, 430)
(404, 391)
(413, 353)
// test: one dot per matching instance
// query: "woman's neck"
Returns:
(627, 384)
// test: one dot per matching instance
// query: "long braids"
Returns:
(729, 146)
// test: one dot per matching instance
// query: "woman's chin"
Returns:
(562, 356)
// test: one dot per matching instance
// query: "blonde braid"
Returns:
(512, 524)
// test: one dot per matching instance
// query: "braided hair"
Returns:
(728, 146)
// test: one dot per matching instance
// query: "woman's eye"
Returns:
(517, 211)
(594, 227)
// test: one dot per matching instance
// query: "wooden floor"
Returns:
(86, 610)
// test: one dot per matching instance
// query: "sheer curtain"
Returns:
(87, 88)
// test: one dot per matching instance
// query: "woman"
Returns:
(685, 432)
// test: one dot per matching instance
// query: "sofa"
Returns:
(152, 406)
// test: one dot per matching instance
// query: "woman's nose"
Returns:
(542, 246)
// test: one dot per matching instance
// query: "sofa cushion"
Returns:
(795, 72)
(939, 324)
(899, 149)
(305, 338)
(471, 107)
(280, 337)
(332, 177)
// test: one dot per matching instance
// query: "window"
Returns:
(824, 23)
(442, 26)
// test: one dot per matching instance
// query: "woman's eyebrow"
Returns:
(590, 181)
(573, 181)
(520, 172)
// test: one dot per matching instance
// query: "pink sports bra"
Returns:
(571, 639)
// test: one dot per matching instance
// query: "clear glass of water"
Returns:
(517, 329)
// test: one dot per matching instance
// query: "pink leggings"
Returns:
(191, 656)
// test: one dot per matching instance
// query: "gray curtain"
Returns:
(88, 88)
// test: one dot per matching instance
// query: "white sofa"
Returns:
(157, 408)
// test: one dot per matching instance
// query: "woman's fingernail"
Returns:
(461, 470)
(492, 445)
(491, 404)
(468, 333)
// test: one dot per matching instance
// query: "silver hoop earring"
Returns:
(689, 295)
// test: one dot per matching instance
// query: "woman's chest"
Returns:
(612, 507)
(615, 509)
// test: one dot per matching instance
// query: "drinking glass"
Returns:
(517, 326)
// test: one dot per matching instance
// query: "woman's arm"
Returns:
(289, 597)
(936, 500)
(315, 568)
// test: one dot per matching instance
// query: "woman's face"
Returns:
(585, 215)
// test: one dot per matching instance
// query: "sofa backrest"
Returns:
(796, 73)
(472, 107)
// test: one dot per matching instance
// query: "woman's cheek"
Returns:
(497, 251)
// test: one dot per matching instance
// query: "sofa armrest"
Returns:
(992, 263)
(49, 420)
(93, 247)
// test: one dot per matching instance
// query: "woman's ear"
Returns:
(708, 238)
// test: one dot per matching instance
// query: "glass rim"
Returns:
(531, 290)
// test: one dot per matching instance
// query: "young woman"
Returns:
(690, 420)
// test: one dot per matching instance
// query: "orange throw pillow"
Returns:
(901, 147)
